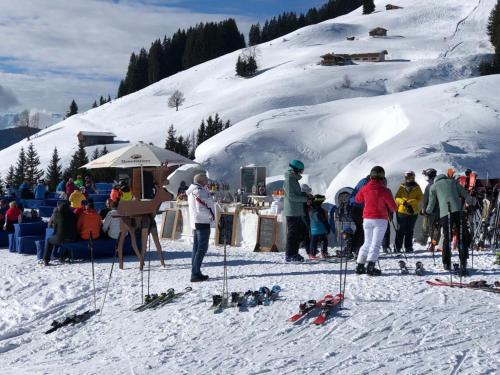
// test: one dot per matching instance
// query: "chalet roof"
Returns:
(369, 54)
(96, 134)
(378, 29)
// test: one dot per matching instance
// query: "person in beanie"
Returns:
(306, 243)
(408, 198)
(319, 228)
(294, 212)
(448, 194)
(202, 217)
(65, 230)
(430, 223)
(378, 203)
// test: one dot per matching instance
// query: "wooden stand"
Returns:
(267, 232)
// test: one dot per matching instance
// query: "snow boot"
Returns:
(402, 266)
(419, 269)
(371, 270)
(360, 269)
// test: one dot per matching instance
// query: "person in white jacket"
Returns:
(202, 217)
(111, 224)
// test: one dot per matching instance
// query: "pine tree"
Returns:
(10, 180)
(494, 34)
(73, 109)
(102, 100)
(202, 134)
(109, 99)
(94, 105)
(20, 171)
(95, 154)
(104, 151)
(171, 142)
(368, 6)
(2, 188)
(122, 89)
(78, 159)
(254, 36)
(182, 147)
(33, 173)
(54, 171)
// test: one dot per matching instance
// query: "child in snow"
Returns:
(319, 228)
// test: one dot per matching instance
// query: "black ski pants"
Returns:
(462, 234)
(359, 235)
(318, 239)
(406, 225)
(297, 232)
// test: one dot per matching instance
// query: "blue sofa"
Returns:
(25, 235)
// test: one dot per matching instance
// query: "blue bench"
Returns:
(25, 235)
(103, 186)
(45, 211)
(51, 202)
(99, 197)
(32, 203)
(4, 239)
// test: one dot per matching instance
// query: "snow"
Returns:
(390, 324)
(429, 42)
(425, 107)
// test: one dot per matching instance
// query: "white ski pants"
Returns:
(374, 234)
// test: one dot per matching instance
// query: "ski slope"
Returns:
(391, 324)
(429, 42)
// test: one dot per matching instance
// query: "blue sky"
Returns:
(53, 51)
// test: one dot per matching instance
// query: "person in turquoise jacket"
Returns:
(294, 212)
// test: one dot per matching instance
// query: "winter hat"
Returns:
(377, 173)
(348, 230)
(297, 165)
(305, 188)
(200, 178)
(430, 173)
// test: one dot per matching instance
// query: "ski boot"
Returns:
(419, 269)
(325, 255)
(463, 270)
(371, 270)
(402, 266)
(497, 260)
(360, 269)
(456, 268)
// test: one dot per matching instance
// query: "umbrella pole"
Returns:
(142, 183)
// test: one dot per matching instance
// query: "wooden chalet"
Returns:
(369, 57)
(378, 31)
(331, 59)
(392, 7)
(95, 138)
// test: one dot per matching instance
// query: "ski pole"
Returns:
(110, 274)
(345, 278)
(461, 244)
(149, 260)
(341, 256)
(449, 240)
(91, 248)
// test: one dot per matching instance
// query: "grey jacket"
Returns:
(446, 190)
(294, 197)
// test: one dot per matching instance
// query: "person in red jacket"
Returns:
(89, 222)
(378, 203)
(12, 216)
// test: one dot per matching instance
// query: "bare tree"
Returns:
(176, 100)
(35, 120)
(23, 123)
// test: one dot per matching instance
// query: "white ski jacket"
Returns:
(111, 225)
(201, 206)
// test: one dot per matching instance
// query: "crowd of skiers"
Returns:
(371, 208)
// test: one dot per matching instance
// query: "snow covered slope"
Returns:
(429, 42)
(455, 124)
(390, 325)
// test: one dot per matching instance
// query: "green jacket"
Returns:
(446, 190)
(294, 197)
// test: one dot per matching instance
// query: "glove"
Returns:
(409, 208)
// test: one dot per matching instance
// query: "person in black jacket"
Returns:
(65, 229)
(430, 223)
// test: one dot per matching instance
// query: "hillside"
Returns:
(429, 42)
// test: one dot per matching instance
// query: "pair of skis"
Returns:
(325, 306)
(157, 300)
(478, 285)
(71, 319)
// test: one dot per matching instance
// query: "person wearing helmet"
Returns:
(447, 193)
(319, 228)
(378, 203)
(430, 223)
(408, 198)
(294, 212)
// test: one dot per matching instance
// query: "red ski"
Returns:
(306, 307)
(480, 285)
(326, 307)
